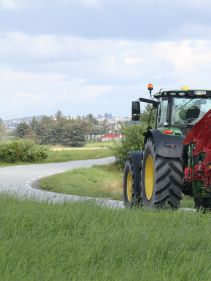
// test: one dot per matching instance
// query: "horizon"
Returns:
(100, 115)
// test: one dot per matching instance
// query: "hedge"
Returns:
(21, 150)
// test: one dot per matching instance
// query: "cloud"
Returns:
(42, 73)
(128, 19)
(104, 59)
(179, 4)
(191, 4)
(23, 4)
(13, 4)
(27, 94)
(88, 3)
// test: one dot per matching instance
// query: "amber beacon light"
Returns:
(150, 88)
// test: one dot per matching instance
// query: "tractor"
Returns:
(176, 155)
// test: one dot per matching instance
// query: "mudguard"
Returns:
(136, 158)
(166, 145)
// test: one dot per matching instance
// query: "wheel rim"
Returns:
(149, 177)
(129, 186)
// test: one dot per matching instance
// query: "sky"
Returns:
(96, 56)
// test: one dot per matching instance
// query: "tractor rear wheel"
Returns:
(162, 179)
(131, 181)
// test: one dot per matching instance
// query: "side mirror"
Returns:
(136, 110)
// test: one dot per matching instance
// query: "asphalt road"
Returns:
(17, 180)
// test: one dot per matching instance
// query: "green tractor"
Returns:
(176, 156)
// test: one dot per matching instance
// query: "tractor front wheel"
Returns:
(131, 181)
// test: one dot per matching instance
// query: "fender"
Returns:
(136, 158)
(169, 146)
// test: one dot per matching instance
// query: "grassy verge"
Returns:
(84, 242)
(98, 181)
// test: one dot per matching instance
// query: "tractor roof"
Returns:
(184, 93)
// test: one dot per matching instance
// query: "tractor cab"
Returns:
(177, 110)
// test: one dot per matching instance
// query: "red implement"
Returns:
(200, 135)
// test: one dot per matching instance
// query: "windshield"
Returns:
(187, 110)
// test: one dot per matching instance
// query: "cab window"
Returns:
(162, 112)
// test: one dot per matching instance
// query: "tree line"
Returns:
(61, 129)
(67, 131)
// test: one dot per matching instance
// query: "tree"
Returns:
(91, 127)
(132, 141)
(59, 115)
(145, 116)
(59, 130)
(2, 128)
(44, 130)
(22, 130)
(34, 124)
(133, 135)
(73, 135)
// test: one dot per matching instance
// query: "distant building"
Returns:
(110, 137)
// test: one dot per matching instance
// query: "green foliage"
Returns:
(2, 128)
(73, 135)
(22, 130)
(21, 150)
(85, 242)
(132, 141)
(133, 138)
(148, 114)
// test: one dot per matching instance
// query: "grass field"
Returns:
(89, 145)
(108, 144)
(84, 242)
(69, 155)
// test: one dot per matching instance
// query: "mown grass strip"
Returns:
(85, 242)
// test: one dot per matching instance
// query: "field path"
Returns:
(17, 180)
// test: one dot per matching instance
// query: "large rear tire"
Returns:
(131, 181)
(162, 179)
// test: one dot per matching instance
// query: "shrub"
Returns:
(21, 150)
(132, 141)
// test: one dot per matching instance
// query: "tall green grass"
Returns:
(85, 242)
